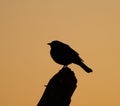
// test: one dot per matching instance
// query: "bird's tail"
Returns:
(86, 68)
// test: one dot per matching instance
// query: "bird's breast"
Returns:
(60, 56)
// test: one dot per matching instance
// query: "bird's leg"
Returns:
(64, 66)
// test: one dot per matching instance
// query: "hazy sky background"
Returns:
(91, 27)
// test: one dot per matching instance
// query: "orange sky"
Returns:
(91, 27)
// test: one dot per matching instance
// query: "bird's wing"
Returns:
(73, 53)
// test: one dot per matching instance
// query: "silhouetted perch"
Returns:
(60, 88)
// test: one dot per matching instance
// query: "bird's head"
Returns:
(54, 43)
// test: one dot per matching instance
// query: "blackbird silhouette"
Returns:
(63, 54)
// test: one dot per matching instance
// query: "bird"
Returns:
(63, 54)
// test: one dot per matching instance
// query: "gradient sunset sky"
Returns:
(91, 27)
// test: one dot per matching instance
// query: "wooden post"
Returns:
(60, 88)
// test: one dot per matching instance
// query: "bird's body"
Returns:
(65, 55)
